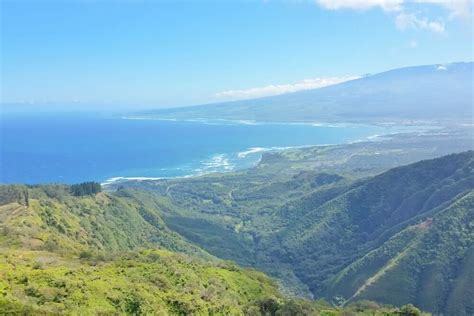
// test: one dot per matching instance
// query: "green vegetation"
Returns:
(403, 236)
(52, 219)
(63, 254)
(79, 255)
(144, 282)
(86, 188)
(321, 221)
(429, 263)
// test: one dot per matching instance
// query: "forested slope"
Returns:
(429, 264)
(81, 255)
(78, 251)
(404, 236)
(51, 218)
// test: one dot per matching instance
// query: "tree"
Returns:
(85, 188)
(409, 310)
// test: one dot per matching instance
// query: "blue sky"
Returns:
(157, 53)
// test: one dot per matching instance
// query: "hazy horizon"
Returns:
(147, 55)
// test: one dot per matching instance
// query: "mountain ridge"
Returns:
(418, 93)
(59, 256)
(311, 232)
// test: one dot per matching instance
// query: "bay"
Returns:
(75, 147)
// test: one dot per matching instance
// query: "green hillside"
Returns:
(145, 282)
(429, 263)
(151, 282)
(77, 251)
(382, 238)
(80, 254)
(51, 218)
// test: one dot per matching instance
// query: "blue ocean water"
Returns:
(69, 148)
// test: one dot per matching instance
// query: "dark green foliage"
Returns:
(268, 306)
(296, 307)
(409, 310)
(430, 264)
(86, 188)
(399, 237)
(55, 191)
(133, 305)
(86, 254)
(14, 193)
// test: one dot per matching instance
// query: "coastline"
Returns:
(226, 167)
(346, 124)
(251, 140)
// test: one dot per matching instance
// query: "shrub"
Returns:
(409, 310)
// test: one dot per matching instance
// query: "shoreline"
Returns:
(347, 124)
(261, 151)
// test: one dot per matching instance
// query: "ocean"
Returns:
(71, 148)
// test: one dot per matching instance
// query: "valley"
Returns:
(247, 158)
(349, 224)
(331, 222)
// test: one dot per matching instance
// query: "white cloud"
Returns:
(386, 5)
(402, 10)
(411, 21)
(462, 8)
(282, 88)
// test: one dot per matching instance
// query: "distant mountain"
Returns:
(433, 92)
(403, 236)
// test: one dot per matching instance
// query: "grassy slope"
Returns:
(54, 220)
(145, 282)
(83, 256)
(63, 253)
(306, 232)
